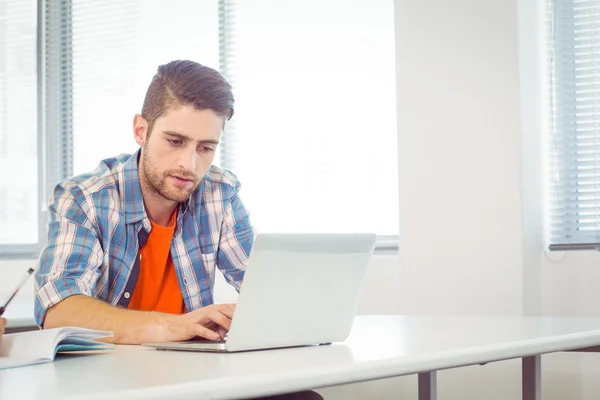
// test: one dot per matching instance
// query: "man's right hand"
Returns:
(135, 327)
(211, 322)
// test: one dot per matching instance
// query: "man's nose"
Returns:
(188, 160)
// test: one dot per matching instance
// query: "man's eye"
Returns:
(175, 142)
(206, 149)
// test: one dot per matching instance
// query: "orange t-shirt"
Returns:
(157, 288)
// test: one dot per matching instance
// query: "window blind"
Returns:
(58, 92)
(574, 195)
(117, 45)
(313, 139)
(18, 126)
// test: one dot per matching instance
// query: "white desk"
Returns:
(379, 347)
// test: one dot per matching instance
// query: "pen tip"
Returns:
(30, 270)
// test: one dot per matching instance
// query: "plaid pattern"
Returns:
(94, 229)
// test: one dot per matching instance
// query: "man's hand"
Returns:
(211, 322)
(2, 325)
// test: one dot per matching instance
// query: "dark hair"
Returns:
(185, 82)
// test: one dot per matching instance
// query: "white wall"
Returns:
(459, 156)
(10, 273)
(571, 284)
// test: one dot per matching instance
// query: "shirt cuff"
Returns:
(54, 292)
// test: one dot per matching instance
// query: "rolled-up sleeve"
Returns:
(70, 262)
(236, 239)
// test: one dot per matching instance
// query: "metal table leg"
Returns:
(532, 377)
(427, 386)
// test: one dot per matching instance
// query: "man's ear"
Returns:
(140, 129)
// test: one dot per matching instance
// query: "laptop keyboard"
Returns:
(199, 339)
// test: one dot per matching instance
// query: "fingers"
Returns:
(222, 332)
(217, 317)
(206, 333)
(220, 314)
(213, 322)
(214, 327)
(2, 325)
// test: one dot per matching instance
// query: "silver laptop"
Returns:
(299, 290)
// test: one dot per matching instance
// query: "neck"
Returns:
(159, 211)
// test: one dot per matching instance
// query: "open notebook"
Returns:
(35, 347)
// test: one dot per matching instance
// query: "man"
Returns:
(133, 246)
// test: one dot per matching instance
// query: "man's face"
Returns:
(179, 151)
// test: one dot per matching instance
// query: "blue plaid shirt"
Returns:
(97, 226)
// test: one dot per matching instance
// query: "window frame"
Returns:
(551, 193)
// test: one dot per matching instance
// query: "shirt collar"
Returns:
(133, 202)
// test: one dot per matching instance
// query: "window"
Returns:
(314, 136)
(18, 126)
(314, 139)
(574, 195)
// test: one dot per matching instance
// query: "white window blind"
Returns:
(117, 45)
(574, 195)
(313, 138)
(18, 125)
(314, 141)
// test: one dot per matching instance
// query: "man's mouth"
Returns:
(181, 181)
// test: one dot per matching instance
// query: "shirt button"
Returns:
(126, 295)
